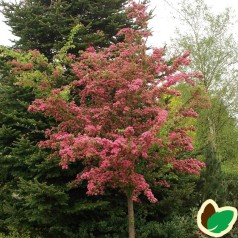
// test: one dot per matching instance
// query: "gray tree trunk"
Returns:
(131, 218)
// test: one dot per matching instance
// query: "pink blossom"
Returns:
(150, 196)
(129, 131)
(164, 183)
(191, 166)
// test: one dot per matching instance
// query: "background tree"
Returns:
(24, 168)
(45, 25)
(214, 53)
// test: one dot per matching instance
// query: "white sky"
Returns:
(163, 24)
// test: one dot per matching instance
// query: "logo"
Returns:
(215, 221)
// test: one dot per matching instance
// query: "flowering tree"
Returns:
(114, 117)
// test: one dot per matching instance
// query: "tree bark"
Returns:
(131, 218)
(212, 136)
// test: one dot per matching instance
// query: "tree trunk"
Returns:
(212, 136)
(131, 218)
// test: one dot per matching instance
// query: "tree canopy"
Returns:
(45, 25)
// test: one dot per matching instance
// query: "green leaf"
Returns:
(219, 221)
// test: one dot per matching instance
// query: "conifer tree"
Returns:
(45, 25)
(34, 190)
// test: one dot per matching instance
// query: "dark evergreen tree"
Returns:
(46, 24)
(34, 194)
(213, 185)
(33, 190)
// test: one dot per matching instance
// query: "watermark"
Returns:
(215, 221)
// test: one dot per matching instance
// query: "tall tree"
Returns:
(45, 24)
(112, 126)
(33, 189)
(214, 53)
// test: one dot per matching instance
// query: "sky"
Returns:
(163, 24)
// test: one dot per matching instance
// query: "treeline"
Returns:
(36, 199)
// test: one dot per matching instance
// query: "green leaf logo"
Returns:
(215, 221)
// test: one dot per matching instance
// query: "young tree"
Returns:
(114, 118)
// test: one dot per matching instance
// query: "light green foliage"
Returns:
(225, 127)
(213, 49)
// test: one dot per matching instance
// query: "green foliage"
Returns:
(213, 47)
(226, 131)
(230, 166)
(232, 193)
(45, 25)
(178, 226)
(15, 234)
(34, 193)
(35, 198)
(213, 182)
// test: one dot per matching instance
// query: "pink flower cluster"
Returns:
(163, 183)
(191, 166)
(139, 13)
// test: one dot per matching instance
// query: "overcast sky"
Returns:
(163, 24)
